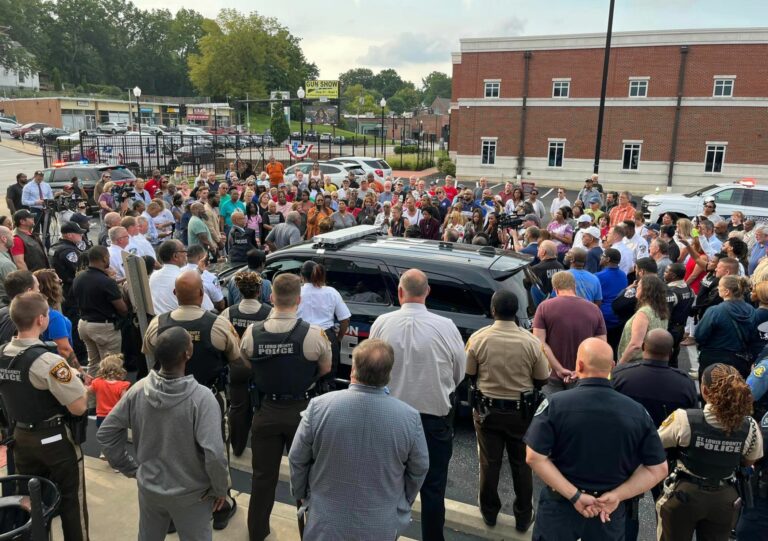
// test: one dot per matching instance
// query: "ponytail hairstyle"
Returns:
(313, 273)
(728, 395)
(737, 285)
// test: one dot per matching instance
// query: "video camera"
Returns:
(121, 193)
(510, 221)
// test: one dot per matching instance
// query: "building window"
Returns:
(561, 89)
(638, 89)
(488, 153)
(21, 77)
(713, 163)
(723, 88)
(631, 158)
(556, 151)
(492, 89)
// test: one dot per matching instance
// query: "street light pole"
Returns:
(383, 104)
(603, 89)
(300, 93)
(137, 95)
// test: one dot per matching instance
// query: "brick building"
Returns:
(684, 108)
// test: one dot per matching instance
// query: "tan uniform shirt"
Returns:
(212, 221)
(675, 431)
(506, 360)
(223, 334)
(50, 372)
(316, 346)
(247, 306)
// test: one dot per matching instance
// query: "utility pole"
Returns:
(601, 113)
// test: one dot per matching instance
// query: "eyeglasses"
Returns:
(708, 207)
(180, 252)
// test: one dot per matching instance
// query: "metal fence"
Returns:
(144, 153)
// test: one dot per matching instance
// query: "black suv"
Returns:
(89, 174)
(365, 269)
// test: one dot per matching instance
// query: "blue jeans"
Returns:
(439, 435)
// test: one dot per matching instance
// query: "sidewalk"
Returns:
(32, 149)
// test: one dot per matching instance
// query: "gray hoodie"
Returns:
(179, 450)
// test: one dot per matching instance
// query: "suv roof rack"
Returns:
(337, 239)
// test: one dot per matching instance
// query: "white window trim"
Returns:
(640, 78)
(492, 80)
(562, 157)
(639, 155)
(554, 82)
(561, 79)
(723, 76)
(489, 138)
(632, 141)
(483, 140)
(486, 82)
(720, 143)
(714, 86)
(706, 151)
(557, 140)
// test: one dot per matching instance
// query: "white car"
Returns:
(379, 167)
(745, 195)
(336, 171)
(112, 127)
(6, 124)
(192, 130)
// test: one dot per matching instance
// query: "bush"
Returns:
(447, 167)
(410, 161)
(405, 149)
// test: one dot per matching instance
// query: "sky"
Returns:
(416, 37)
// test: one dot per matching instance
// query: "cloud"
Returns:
(408, 48)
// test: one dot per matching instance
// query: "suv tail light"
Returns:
(379, 172)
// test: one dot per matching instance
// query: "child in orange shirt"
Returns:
(109, 385)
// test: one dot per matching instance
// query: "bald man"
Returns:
(430, 364)
(595, 449)
(215, 345)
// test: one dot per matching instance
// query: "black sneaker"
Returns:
(489, 519)
(525, 526)
(222, 516)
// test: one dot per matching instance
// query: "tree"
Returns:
(279, 126)
(387, 82)
(358, 100)
(436, 84)
(248, 54)
(410, 97)
(357, 76)
(56, 79)
(396, 104)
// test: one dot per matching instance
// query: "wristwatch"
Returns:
(575, 497)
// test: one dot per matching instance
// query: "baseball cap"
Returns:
(584, 219)
(594, 200)
(593, 232)
(71, 227)
(20, 215)
(654, 227)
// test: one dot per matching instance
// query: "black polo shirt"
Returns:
(594, 435)
(660, 388)
(93, 291)
(14, 194)
(545, 270)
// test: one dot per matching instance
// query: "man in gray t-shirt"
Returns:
(285, 234)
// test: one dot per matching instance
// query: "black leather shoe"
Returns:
(222, 516)
(525, 526)
(171, 528)
(489, 519)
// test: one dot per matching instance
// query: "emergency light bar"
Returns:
(748, 182)
(337, 238)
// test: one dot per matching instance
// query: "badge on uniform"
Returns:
(759, 371)
(62, 372)
(544, 405)
(668, 421)
(72, 257)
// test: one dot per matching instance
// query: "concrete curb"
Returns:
(18, 147)
(459, 516)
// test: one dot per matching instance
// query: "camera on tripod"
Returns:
(121, 193)
(510, 221)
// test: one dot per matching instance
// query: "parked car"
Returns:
(337, 172)
(61, 174)
(325, 137)
(310, 136)
(408, 142)
(6, 124)
(745, 195)
(339, 140)
(194, 130)
(365, 269)
(112, 127)
(197, 153)
(18, 132)
(380, 168)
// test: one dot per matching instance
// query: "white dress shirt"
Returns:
(210, 282)
(142, 245)
(116, 260)
(162, 283)
(31, 194)
(429, 357)
(319, 306)
(557, 204)
(627, 263)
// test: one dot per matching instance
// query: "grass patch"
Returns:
(261, 123)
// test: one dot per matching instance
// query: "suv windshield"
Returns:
(376, 164)
(700, 191)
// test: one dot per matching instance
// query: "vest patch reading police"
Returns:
(10, 375)
(711, 444)
(263, 350)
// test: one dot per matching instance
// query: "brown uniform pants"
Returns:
(274, 425)
(685, 508)
(499, 431)
(60, 461)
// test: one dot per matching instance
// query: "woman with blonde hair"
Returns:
(683, 232)
(455, 222)
(712, 444)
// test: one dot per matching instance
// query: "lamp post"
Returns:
(137, 95)
(300, 93)
(383, 104)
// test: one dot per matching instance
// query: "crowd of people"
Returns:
(614, 302)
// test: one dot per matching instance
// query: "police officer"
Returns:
(758, 379)
(753, 523)
(240, 240)
(215, 345)
(39, 390)
(66, 263)
(700, 495)
(674, 276)
(241, 315)
(505, 363)
(286, 356)
(595, 449)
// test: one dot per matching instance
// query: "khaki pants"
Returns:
(101, 339)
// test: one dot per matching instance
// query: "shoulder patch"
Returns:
(759, 371)
(668, 421)
(72, 257)
(764, 421)
(61, 372)
(544, 405)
